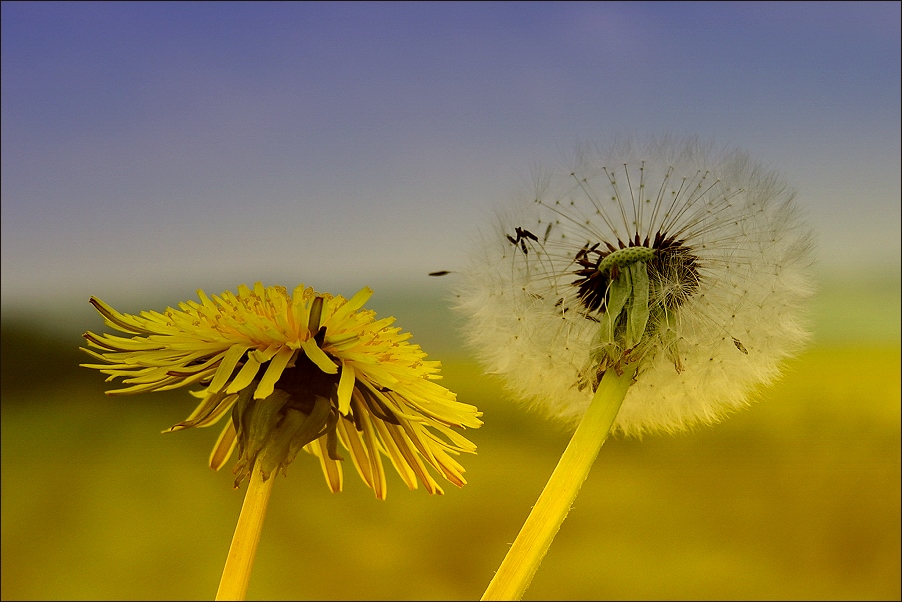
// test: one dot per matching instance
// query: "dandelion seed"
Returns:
(650, 289)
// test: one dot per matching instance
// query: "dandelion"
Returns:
(292, 371)
(649, 289)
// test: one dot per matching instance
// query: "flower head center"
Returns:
(671, 267)
(622, 257)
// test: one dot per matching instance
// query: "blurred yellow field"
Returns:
(797, 497)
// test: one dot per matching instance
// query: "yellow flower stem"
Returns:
(523, 558)
(237, 572)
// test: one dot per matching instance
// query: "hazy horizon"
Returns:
(151, 149)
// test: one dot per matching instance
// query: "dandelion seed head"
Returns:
(691, 263)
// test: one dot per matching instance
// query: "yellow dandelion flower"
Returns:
(295, 371)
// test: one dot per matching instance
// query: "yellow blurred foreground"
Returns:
(797, 497)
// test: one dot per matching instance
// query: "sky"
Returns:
(151, 149)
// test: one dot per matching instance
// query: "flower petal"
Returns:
(353, 304)
(319, 357)
(224, 447)
(273, 372)
(331, 468)
(209, 411)
(227, 367)
(345, 387)
(245, 375)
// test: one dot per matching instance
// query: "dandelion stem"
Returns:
(237, 572)
(526, 553)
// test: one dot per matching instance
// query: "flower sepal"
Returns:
(623, 325)
(272, 431)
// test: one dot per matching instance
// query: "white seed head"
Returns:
(692, 263)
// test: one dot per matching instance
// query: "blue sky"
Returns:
(152, 149)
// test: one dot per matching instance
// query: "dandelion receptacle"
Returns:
(649, 287)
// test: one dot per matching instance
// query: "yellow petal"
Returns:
(345, 387)
(227, 367)
(209, 411)
(273, 373)
(245, 375)
(371, 441)
(224, 447)
(353, 304)
(319, 357)
(331, 468)
(351, 438)
(123, 322)
(267, 354)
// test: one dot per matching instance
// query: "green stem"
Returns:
(237, 572)
(543, 523)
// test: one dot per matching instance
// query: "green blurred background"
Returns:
(797, 497)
